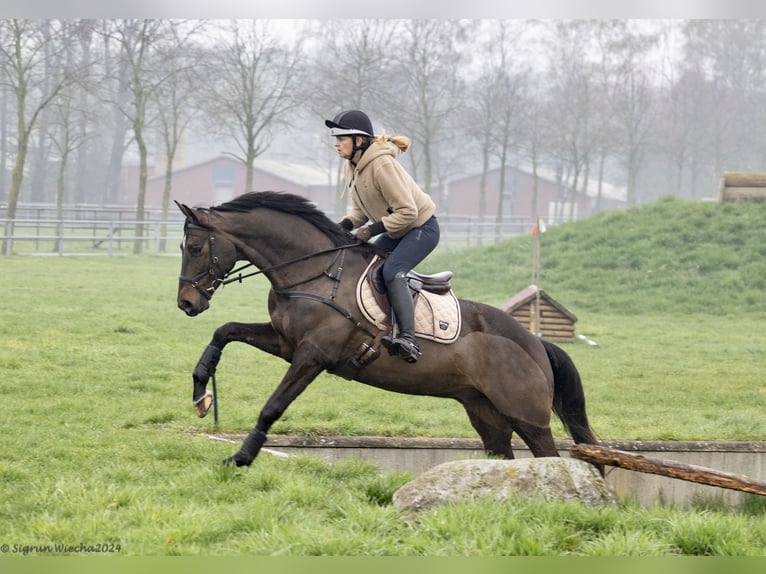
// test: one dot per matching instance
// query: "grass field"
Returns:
(96, 381)
(109, 333)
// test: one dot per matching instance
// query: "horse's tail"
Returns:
(568, 395)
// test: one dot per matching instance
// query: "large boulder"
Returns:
(546, 478)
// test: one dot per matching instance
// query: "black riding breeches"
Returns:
(410, 249)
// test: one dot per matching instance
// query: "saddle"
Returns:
(437, 311)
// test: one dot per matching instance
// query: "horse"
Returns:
(507, 379)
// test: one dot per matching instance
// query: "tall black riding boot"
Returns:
(404, 344)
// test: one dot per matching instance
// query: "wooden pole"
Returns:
(692, 473)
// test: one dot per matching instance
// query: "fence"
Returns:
(87, 237)
(89, 230)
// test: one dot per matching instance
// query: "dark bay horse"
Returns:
(507, 379)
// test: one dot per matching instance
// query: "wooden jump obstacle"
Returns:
(689, 472)
(740, 185)
(542, 314)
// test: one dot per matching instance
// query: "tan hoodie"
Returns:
(382, 190)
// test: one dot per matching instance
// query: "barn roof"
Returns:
(304, 175)
(526, 296)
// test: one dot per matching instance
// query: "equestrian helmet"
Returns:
(350, 122)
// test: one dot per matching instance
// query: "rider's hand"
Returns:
(346, 224)
(364, 234)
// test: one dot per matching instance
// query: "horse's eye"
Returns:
(192, 247)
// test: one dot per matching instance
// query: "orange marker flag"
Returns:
(538, 227)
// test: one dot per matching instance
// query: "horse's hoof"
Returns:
(236, 460)
(203, 404)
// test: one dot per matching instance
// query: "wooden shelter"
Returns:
(740, 185)
(542, 314)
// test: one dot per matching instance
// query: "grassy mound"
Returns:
(673, 256)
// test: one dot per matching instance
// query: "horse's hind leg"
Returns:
(538, 439)
(496, 442)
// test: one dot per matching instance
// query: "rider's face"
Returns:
(344, 145)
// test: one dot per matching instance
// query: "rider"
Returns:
(401, 214)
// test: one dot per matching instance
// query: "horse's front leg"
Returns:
(305, 367)
(259, 335)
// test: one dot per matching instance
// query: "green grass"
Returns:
(164, 499)
(96, 361)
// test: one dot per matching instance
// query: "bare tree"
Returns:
(731, 57)
(497, 107)
(352, 63)
(140, 42)
(174, 103)
(253, 82)
(351, 69)
(65, 116)
(429, 92)
(23, 71)
(677, 131)
(571, 102)
(635, 98)
(605, 35)
(113, 91)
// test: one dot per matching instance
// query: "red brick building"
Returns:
(219, 179)
(222, 178)
(461, 197)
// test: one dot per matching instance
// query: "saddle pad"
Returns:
(437, 317)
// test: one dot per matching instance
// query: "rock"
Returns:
(547, 478)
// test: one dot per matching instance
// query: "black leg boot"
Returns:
(404, 344)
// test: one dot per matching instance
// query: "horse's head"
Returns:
(206, 257)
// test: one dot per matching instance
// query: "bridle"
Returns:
(218, 276)
(221, 278)
(367, 350)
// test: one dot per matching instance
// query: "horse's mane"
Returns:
(291, 204)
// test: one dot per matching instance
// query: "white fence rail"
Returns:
(87, 237)
(111, 237)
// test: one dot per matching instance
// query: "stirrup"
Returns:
(401, 347)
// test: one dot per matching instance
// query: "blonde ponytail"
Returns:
(401, 142)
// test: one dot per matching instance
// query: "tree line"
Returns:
(655, 106)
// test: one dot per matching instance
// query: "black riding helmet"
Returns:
(352, 123)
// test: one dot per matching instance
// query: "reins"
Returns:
(226, 278)
(240, 277)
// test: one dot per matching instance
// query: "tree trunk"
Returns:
(60, 189)
(17, 176)
(140, 204)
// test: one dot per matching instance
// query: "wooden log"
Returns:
(735, 193)
(689, 472)
(559, 320)
(744, 179)
(556, 332)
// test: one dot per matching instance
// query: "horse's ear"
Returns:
(186, 210)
